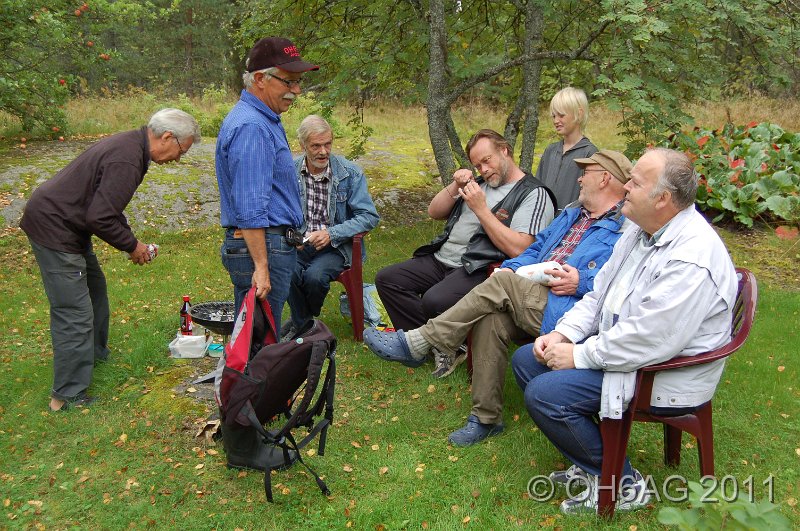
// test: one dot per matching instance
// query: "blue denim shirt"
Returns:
(350, 207)
(255, 174)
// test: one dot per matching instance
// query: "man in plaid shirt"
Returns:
(336, 206)
(511, 307)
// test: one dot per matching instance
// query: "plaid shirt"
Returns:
(573, 237)
(317, 187)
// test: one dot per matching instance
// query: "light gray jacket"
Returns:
(679, 304)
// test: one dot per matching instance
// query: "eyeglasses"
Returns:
(589, 171)
(180, 147)
(288, 82)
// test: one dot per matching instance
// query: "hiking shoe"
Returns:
(474, 432)
(446, 363)
(633, 495)
(572, 476)
(391, 346)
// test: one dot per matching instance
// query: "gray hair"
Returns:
(679, 178)
(313, 124)
(248, 78)
(175, 121)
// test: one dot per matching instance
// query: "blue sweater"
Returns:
(589, 256)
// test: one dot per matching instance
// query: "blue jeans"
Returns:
(281, 257)
(313, 274)
(564, 405)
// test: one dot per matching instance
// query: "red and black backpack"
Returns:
(261, 379)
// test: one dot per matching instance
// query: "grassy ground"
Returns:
(133, 460)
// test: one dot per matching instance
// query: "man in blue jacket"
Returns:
(336, 207)
(509, 307)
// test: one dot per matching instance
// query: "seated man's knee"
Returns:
(433, 304)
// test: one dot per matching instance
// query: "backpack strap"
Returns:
(319, 351)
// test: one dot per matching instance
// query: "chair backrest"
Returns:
(744, 311)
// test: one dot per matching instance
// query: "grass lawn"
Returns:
(133, 459)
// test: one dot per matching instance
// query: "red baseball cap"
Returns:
(279, 52)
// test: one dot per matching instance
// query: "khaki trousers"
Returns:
(504, 308)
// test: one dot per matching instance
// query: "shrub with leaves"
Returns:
(746, 172)
(710, 511)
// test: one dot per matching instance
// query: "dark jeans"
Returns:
(311, 281)
(421, 288)
(79, 316)
(281, 257)
(564, 405)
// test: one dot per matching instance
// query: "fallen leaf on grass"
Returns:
(375, 447)
(431, 388)
(347, 468)
(466, 520)
(355, 444)
(453, 458)
(781, 368)
(383, 470)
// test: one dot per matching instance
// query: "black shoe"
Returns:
(245, 449)
(80, 401)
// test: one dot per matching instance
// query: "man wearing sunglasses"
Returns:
(259, 195)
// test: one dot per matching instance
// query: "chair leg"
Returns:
(615, 434)
(705, 440)
(355, 294)
(672, 445)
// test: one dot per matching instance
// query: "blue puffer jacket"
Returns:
(589, 256)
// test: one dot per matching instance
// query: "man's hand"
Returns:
(140, 255)
(566, 282)
(542, 343)
(319, 239)
(261, 283)
(462, 177)
(473, 195)
(559, 356)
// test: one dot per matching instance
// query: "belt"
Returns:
(282, 230)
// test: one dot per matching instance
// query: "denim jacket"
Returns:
(350, 207)
(588, 257)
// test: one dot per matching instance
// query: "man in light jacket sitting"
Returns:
(668, 290)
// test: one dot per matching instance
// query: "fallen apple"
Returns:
(61, 139)
(22, 146)
(78, 12)
(62, 81)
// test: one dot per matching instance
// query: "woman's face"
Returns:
(565, 123)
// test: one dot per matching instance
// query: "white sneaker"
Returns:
(632, 496)
(573, 475)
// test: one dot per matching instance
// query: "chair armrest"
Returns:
(688, 361)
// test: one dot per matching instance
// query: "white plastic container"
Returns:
(189, 346)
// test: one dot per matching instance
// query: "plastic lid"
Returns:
(186, 298)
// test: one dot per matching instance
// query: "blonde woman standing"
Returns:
(569, 110)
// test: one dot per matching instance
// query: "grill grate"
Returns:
(217, 316)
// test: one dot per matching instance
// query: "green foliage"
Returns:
(706, 515)
(747, 172)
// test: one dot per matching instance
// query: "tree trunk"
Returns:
(531, 71)
(188, 45)
(439, 119)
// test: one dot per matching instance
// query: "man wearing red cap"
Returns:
(259, 195)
